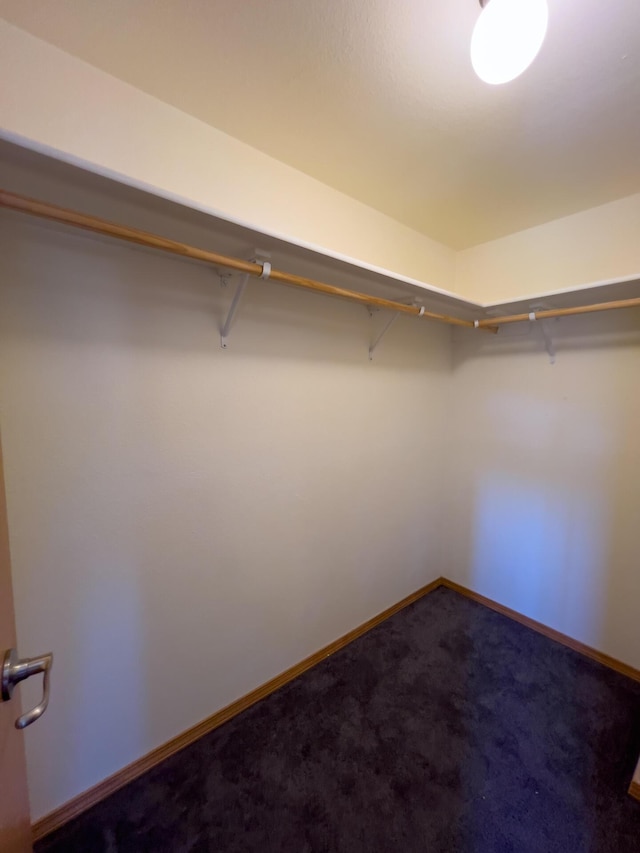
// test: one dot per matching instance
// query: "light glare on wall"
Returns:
(507, 37)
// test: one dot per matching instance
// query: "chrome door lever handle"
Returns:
(14, 671)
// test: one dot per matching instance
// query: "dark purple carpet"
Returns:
(447, 729)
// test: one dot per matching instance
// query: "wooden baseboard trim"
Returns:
(551, 633)
(57, 818)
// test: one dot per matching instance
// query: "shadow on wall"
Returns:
(296, 321)
(541, 518)
(542, 550)
(545, 488)
(101, 292)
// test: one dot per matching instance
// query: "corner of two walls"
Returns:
(590, 247)
(186, 522)
(543, 498)
(175, 508)
(172, 505)
(544, 489)
(58, 105)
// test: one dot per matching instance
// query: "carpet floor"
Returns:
(447, 729)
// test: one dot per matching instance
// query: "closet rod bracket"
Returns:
(544, 328)
(376, 341)
(548, 341)
(235, 302)
(257, 257)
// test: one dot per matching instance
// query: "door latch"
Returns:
(14, 671)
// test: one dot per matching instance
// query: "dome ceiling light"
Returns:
(507, 38)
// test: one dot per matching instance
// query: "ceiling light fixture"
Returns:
(507, 37)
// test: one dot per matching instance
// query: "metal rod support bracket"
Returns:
(543, 324)
(257, 257)
(235, 302)
(375, 342)
(548, 340)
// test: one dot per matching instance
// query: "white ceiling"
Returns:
(377, 98)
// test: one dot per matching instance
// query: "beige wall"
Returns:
(187, 522)
(179, 509)
(55, 103)
(544, 500)
(589, 248)
(176, 508)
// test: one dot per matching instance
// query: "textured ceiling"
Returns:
(377, 98)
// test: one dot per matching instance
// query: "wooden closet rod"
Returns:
(143, 238)
(559, 312)
(153, 241)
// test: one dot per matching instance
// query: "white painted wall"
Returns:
(59, 105)
(188, 522)
(544, 493)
